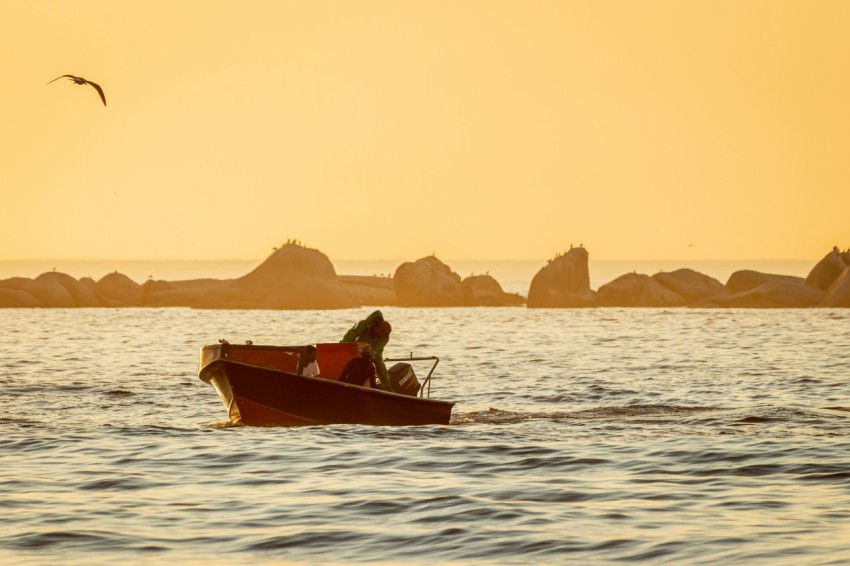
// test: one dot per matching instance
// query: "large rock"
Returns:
(369, 290)
(428, 282)
(152, 286)
(827, 270)
(293, 277)
(159, 293)
(13, 293)
(485, 291)
(49, 290)
(776, 293)
(16, 298)
(15, 283)
(50, 293)
(637, 290)
(118, 290)
(838, 294)
(82, 295)
(691, 285)
(564, 282)
(747, 279)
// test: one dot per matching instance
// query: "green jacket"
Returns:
(360, 333)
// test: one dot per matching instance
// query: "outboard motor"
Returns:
(404, 379)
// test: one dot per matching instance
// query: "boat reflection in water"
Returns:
(262, 386)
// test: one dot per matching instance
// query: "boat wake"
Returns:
(702, 420)
(667, 414)
(499, 416)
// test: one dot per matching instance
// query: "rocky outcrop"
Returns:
(637, 290)
(838, 294)
(564, 282)
(157, 293)
(691, 285)
(15, 283)
(50, 294)
(428, 282)
(13, 293)
(369, 290)
(775, 293)
(746, 280)
(48, 290)
(827, 270)
(81, 295)
(16, 298)
(293, 277)
(485, 291)
(118, 290)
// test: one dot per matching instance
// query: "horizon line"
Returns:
(445, 260)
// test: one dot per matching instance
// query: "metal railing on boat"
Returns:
(427, 380)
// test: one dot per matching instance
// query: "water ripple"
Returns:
(595, 436)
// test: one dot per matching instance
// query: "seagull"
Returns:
(82, 81)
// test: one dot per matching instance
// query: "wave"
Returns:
(694, 415)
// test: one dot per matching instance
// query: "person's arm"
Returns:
(354, 332)
(383, 374)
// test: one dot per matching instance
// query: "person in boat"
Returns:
(361, 370)
(311, 366)
(375, 331)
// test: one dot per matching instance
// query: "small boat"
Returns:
(263, 386)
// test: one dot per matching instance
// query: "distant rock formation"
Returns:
(15, 283)
(157, 293)
(293, 277)
(48, 290)
(416, 284)
(118, 290)
(691, 285)
(779, 292)
(81, 295)
(827, 270)
(485, 291)
(838, 294)
(11, 298)
(746, 280)
(637, 290)
(50, 294)
(428, 282)
(369, 290)
(563, 283)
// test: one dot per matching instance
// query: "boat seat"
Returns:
(333, 357)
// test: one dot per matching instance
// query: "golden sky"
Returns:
(393, 129)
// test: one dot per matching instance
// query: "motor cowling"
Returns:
(403, 379)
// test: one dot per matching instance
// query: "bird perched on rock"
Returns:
(82, 81)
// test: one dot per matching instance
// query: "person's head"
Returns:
(310, 354)
(381, 329)
(365, 351)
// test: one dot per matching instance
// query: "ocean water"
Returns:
(664, 436)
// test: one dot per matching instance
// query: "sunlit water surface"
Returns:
(579, 436)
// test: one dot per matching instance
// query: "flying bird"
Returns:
(82, 81)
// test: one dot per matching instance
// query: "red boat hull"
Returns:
(264, 396)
